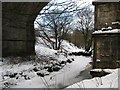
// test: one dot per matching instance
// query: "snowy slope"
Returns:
(66, 76)
(27, 77)
(43, 51)
(69, 47)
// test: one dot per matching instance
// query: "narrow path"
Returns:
(81, 76)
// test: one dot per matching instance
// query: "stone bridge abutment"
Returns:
(18, 38)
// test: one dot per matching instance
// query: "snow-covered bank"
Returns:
(66, 76)
(27, 74)
(69, 74)
(65, 45)
(108, 81)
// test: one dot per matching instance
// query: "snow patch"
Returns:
(108, 81)
(108, 31)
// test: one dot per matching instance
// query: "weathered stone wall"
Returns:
(18, 37)
(106, 50)
(106, 45)
(106, 13)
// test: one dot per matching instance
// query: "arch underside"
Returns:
(18, 37)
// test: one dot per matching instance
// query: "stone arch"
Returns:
(18, 37)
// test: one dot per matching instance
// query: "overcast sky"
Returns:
(78, 2)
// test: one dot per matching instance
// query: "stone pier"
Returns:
(18, 38)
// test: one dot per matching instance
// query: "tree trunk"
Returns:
(56, 40)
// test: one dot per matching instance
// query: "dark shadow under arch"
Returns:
(18, 37)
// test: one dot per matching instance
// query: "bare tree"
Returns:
(54, 22)
(85, 25)
(54, 27)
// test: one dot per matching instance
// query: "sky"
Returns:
(78, 2)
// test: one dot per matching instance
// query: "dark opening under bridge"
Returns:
(18, 37)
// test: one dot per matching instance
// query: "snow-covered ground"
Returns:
(72, 69)
(108, 81)
(59, 79)
(23, 75)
